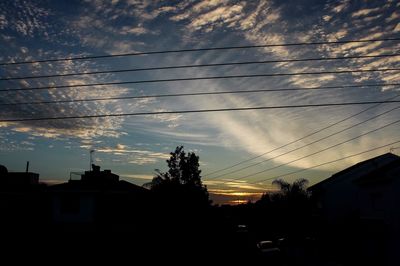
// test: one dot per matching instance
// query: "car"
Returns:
(242, 228)
(269, 253)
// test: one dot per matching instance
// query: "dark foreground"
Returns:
(172, 241)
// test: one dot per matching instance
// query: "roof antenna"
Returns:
(91, 159)
(27, 167)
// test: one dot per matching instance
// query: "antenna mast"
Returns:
(91, 159)
(392, 149)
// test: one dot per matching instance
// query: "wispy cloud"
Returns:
(69, 128)
(234, 186)
(365, 12)
(265, 23)
(125, 154)
(137, 176)
(134, 30)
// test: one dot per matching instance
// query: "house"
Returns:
(21, 199)
(98, 198)
(17, 178)
(360, 204)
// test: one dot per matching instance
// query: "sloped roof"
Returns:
(379, 175)
(80, 185)
(379, 163)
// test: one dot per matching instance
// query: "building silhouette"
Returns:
(359, 205)
(98, 198)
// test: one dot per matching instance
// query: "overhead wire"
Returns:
(194, 111)
(322, 164)
(203, 78)
(194, 78)
(199, 66)
(292, 142)
(309, 144)
(90, 57)
(199, 94)
(319, 151)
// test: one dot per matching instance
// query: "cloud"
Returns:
(172, 120)
(234, 192)
(223, 14)
(341, 6)
(125, 154)
(207, 4)
(3, 22)
(207, 15)
(28, 143)
(68, 128)
(397, 28)
(262, 23)
(257, 132)
(120, 146)
(365, 12)
(196, 9)
(25, 18)
(9, 144)
(234, 186)
(393, 16)
(326, 18)
(138, 176)
(189, 134)
(134, 30)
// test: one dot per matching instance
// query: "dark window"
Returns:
(70, 204)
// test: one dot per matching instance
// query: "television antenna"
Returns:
(392, 149)
(91, 159)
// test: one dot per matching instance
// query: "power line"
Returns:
(201, 65)
(205, 78)
(289, 143)
(325, 149)
(200, 94)
(308, 144)
(195, 111)
(196, 50)
(322, 164)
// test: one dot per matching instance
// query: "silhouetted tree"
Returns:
(292, 203)
(265, 199)
(296, 190)
(182, 181)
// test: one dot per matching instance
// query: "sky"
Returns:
(134, 146)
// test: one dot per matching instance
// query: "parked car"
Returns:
(242, 228)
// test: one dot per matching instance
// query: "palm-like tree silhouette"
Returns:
(292, 191)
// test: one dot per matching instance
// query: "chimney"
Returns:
(27, 167)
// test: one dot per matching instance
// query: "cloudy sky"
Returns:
(133, 146)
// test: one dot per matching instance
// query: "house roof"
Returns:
(377, 165)
(81, 185)
(379, 175)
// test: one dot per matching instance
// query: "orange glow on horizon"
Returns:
(237, 202)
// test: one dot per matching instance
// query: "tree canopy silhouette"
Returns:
(293, 208)
(182, 182)
(295, 191)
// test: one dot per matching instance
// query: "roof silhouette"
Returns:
(380, 163)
